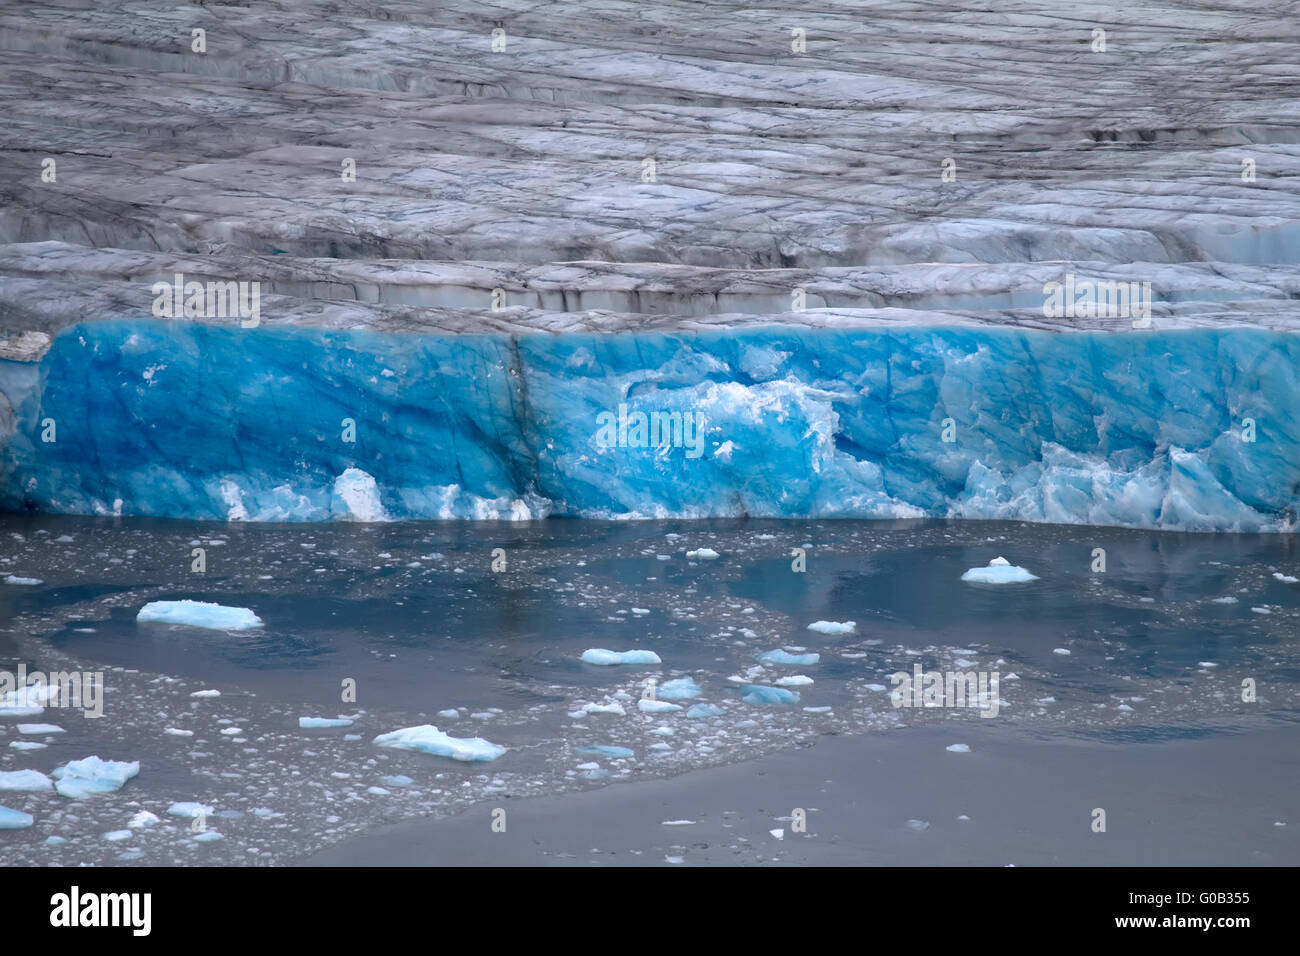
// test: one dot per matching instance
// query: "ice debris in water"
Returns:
(189, 810)
(999, 571)
(430, 740)
(29, 701)
(39, 729)
(322, 723)
(784, 657)
(655, 706)
(27, 582)
(798, 680)
(759, 694)
(199, 614)
(598, 655)
(14, 819)
(82, 778)
(833, 627)
(703, 554)
(683, 688)
(29, 781)
(705, 710)
(958, 748)
(605, 750)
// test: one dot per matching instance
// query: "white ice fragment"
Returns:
(199, 614)
(833, 627)
(598, 655)
(428, 739)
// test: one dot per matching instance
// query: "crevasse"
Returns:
(183, 419)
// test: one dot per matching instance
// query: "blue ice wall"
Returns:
(188, 420)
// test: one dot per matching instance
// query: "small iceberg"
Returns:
(785, 657)
(760, 694)
(188, 811)
(199, 614)
(833, 627)
(22, 582)
(323, 723)
(999, 571)
(14, 819)
(26, 781)
(429, 739)
(704, 710)
(606, 750)
(703, 554)
(598, 655)
(683, 688)
(83, 778)
(656, 706)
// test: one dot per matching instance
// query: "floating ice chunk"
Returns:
(451, 713)
(609, 707)
(323, 723)
(1206, 664)
(1061, 650)
(833, 627)
(190, 810)
(35, 730)
(26, 745)
(674, 859)
(378, 791)
(668, 731)
(999, 571)
(778, 833)
(919, 825)
(677, 823)
(23, 582)
(875, 687)
(817, 710)
(28, 781)
(655, 706)
(1286, 578)
(206, 693)
(1260, 610)
(29, 701)
(796, 680)
(177, 732)
(117, 836)
(703, 554)
(784, 657)
(208, 836)
(598, 655)
(397, 780)
(760, 694)
(430, 740)
(606, 750)
(590, 765)
(683, 688)
(55, 841)
(14, 819)
(958, 748)
(199, 614)
(143, 820)
(1224, 600)
(705, 710)
(82, 778)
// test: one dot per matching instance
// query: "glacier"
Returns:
(669, 210)
(1145, 430)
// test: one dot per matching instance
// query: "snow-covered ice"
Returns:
(999, 571)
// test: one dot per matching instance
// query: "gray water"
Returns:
(415, 614)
